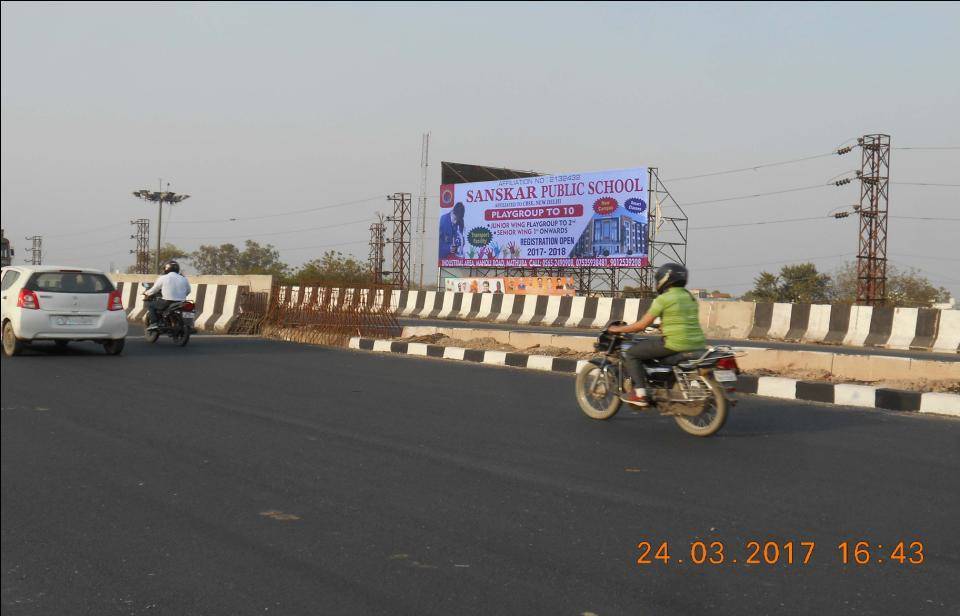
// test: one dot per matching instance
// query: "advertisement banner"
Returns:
(517, 285)
(594, 219)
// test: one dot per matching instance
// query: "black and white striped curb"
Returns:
(768, 386)
(493, 358)
(850, 394)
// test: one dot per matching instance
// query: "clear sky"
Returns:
(257, 109)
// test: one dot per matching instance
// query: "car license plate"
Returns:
(725, 376)
(70, 320)
(190, 315)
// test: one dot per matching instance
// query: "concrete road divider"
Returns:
(948, 335)
(897, 328)
(216, 305)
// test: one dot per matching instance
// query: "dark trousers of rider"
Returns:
(155, 307)
(648, 348)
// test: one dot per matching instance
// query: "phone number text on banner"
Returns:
(596, 219)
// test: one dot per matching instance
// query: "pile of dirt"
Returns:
(491, 344)
(927, 385)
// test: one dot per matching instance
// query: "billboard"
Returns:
(518, 285)
(596, 219)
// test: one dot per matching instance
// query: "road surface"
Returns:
(245, 476)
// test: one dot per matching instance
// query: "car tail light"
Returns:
(28, 300)
(188, 306)
(728, 363)
(115, 302)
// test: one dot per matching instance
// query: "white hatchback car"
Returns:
(62, 304)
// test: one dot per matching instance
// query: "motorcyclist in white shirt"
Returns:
(172, 287)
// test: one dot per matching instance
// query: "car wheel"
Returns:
(114, 347)
(11, 344)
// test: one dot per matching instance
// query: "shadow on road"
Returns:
(765, 417)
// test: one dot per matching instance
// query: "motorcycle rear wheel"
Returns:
(181, 332)
(711, 419)
(604, 401)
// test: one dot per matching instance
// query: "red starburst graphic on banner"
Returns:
(605, 205)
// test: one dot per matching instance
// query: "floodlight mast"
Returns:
(159, 197)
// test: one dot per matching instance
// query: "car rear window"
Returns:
(69, 282)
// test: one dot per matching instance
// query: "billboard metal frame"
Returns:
(667, 237)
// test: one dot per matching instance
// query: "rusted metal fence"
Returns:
(323, 314)
(253, 308)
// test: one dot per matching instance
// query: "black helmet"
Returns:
(171, 266)
(670, 275)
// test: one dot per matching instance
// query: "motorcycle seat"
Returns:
(677, 358)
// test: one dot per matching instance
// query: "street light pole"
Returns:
(159, 197)
(159, 230)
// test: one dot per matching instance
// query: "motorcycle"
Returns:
(692, 387)
(176, 321)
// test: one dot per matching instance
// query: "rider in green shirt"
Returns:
(679, 321)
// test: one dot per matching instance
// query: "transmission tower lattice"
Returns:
(142, 235)
(874, 201)
(377, 243)
(400, 238)
(36, 249)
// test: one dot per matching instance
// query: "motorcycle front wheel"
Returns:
(150, 335)
(713, 416)
(597, 393)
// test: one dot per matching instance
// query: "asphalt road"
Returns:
(243, 476)
(763, 344)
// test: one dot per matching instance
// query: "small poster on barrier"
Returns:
(517, 285)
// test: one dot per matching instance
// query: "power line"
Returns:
(227, 237)
(93, 244)
(323, 246)
(945, 218)
(838, 152)
(795, 260)
(923, 184)
(764, 222)
(755, 195)
(86, 230)
(932, 147)
(280, 214)
(926, 257)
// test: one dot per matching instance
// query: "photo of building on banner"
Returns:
(517, 285)
(594, 219)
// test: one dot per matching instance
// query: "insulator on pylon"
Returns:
(841, 214)
(845, 150)
(842, 182)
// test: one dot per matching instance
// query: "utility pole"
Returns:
(142, 235)
(159, 197)
(36, 249)
(377, 242)
(401, 238)
(874, 201)
(422, 201)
